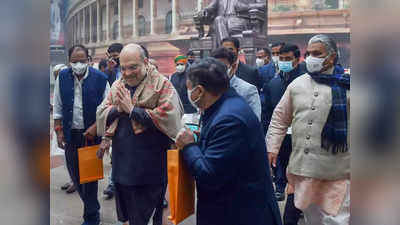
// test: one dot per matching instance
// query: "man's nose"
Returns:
(127, 73)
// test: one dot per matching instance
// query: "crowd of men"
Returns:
(286, 114)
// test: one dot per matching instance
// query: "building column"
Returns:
(79, 27)
(134, 16)
(152, 27)
(75, 30)
(174, 17)
(341, 4)
(84, 25)
(90, 24)
(108, 20)
(199, 3)
(119, 20)
(98, 21)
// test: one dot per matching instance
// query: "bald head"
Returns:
(133, 64)
(133, 50)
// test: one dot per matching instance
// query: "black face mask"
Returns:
(117, 61)
(190, 61)
(235, 56)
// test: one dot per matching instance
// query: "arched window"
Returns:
(142, 25)
(168, 22)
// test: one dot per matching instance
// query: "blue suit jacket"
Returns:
(230, 166)
(274, 90)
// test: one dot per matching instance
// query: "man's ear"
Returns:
(296, 61)
(146, 61)
(332, 58)
(201, 90)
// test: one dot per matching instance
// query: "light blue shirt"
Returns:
(249, 93)
(118, 75)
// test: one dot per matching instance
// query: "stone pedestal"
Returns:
(250, 42)
(252, 39)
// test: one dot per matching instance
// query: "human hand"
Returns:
(124, 100)
(104, 146)
(60, 139)
(272, 157)
(111, 64)
(184, 137)
(91, 132)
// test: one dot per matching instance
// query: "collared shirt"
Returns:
(118, 75)
(249, 93)
(77, 115)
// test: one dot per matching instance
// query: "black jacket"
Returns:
(179, 82)
(249, 74)
(112, 75)
(137, 158)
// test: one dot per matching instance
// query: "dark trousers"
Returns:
(137, 204)
(88, 191)
(291, 215)
(282, 162)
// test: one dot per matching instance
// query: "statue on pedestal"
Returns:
(230, 17)
(243, 19)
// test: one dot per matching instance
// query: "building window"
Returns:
(168, 22)
(325, 4)
(115, 9)
(140, 4)
(332, 4)
(142, 26)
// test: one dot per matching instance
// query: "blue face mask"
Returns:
(285, 66)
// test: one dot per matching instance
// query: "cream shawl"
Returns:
(156, 95)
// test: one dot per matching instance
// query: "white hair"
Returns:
(329, 43)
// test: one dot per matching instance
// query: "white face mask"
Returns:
(259, 62)
(180, 68)
(275, 59)
(79, 68)
(315, 64)
(189, 94)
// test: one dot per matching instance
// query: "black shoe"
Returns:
(280, 196)
(71, 189)
(165, 203)
(65, 186)
(109, 192)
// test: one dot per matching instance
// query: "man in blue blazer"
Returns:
(229, 160)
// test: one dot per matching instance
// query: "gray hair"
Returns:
(142, 53)
(329, 43)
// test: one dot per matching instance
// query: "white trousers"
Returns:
(314, 215)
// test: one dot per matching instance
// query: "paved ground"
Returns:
(67, 209)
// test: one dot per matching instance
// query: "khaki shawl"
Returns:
(156, 95)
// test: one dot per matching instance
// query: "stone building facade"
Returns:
(166, 26)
